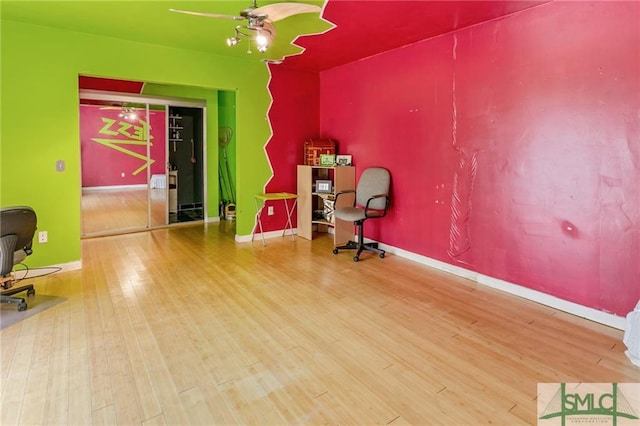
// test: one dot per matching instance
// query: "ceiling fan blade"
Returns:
(268, 25)
(208, 15)
(279, 11)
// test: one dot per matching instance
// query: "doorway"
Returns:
(141, 168)
(186, 154)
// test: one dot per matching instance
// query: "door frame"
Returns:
(100, 95)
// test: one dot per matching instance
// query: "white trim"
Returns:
(115, 187)
(213, 219)
(586, 312)
(554, 302)
(243, 238)
(41, 271)
(104, 95)
(69, 266)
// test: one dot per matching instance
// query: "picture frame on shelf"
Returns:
(343, 160)
(324, 186)
(327, 160)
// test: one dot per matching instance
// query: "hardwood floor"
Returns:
(186, 326)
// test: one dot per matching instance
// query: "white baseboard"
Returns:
(112, 187)
(213, 219)
(554, 302)
(70, 266)
(243, 238)
(591, 314)
(39, 271)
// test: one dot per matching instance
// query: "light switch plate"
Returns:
(60, 165)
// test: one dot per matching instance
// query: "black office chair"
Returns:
(17, 228)
(370, 202)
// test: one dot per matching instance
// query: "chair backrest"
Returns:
(373, 181)
(17, 228)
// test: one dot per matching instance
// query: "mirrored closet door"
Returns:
(114, 163)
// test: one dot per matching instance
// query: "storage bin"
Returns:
(314, 148)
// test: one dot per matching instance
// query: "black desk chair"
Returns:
(371, 201)
(17, 228)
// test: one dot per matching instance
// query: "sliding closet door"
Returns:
(114, 162)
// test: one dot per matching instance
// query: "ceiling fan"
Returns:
(259, 26)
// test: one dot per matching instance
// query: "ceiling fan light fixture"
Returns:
(259, 27)
(262, 40)
(260, 35)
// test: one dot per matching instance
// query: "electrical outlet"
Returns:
(43, 237)
(270, 211)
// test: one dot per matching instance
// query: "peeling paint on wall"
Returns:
(463, 179)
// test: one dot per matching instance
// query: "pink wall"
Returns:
(111, 145)
(294, 118)
(514, 147)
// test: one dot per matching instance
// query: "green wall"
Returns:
(39, 120)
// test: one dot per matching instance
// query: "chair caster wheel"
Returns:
(335, 251)
(22, 306)
(381, 255)
(356, 258)
(31, 292)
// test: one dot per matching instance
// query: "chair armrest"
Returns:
(386, 205)
(348, 191)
